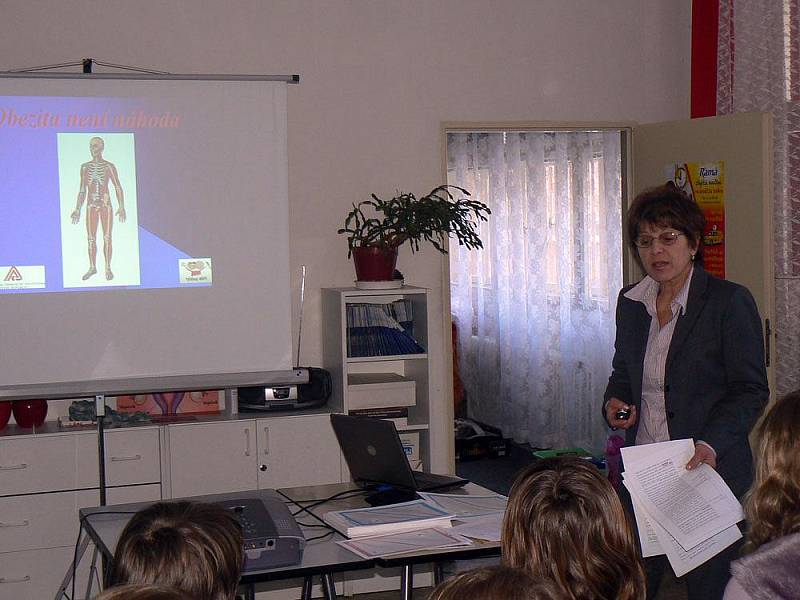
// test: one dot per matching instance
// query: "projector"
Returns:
(271, 535)
(313, 394)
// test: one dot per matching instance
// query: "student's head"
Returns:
(192, 546)
(773, 502)
(497, 583)
(565, 522)
(144, 591)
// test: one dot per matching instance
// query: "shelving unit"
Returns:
(378, 371)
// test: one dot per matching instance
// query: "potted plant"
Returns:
(375, 228)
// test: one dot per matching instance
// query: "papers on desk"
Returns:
(393, 518)
(404, 542)
(415, 526)
(476, 517)
(688, 515)
(466, 505)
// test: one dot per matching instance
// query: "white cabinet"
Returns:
(297, 450)
(44, 480)
(246, 454)
(212, 458)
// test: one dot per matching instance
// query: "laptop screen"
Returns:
(373, 451)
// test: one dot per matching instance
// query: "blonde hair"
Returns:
(143, 592)
(565, 522)
(773, 502)
(193, 546)
(496, 583)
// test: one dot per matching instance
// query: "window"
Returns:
(539, 297)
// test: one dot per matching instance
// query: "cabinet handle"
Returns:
(247, 441)
(124, 458)
(262, 467)
(24, 523)
(14, 467)
(15, 579)
(266, 441)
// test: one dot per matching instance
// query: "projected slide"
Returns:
(92, 210)
(75, 219)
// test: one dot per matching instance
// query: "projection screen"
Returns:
(144, 240)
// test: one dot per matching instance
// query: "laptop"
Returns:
(375, 455)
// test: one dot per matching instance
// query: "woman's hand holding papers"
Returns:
(702, 454)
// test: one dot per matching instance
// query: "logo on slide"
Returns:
(195, 270)
(13, 275)
(20, 278)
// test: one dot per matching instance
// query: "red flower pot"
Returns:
(374, 263)
(29, 413)
(5, 413)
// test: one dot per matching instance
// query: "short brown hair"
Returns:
(667, 206)
(496, 583)
(565, 522)
(194, 546)
(771, 504)
(145, 591)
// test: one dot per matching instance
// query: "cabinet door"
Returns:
(132, 457)
(743, 142)
(297, 450)
(212, 458)
(36, 574)
(33, 464)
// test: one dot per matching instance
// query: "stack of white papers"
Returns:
(476, 517)
(414, 526)
(405, 542)
(688, 515)
(393, 518)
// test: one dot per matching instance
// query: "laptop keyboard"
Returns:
(429, 481)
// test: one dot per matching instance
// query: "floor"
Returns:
(498, 474)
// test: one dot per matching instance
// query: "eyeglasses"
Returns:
(667, 239)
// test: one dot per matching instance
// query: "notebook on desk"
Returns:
(375, 455)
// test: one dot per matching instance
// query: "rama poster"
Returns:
(705, 183)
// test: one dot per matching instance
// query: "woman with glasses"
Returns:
(688, 361)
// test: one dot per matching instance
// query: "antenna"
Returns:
(302, 302)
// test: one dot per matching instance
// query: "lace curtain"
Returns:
(535, 308)
(758, 68)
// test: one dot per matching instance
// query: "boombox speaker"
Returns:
(313, 394)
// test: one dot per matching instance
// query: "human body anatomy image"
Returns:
(100, 245)
(95, 177)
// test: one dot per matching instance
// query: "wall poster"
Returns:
(705, 183)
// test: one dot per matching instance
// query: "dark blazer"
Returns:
(715, 381)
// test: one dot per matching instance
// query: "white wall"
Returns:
(377, 79)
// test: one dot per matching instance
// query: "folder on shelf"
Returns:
(380, 330)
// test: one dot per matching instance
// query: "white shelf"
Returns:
(363, 359)
(378, 370)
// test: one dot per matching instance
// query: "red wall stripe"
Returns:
(705, 15)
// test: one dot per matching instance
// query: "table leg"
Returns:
(307, 583)
(92, 572)
(62, 590)
(407, 582)
(328, 588)
(250, 591)
(438, 573)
